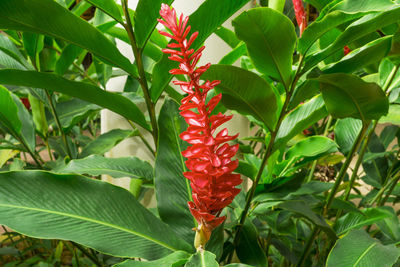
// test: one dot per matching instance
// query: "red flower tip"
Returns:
(209, 159)
(301, 16)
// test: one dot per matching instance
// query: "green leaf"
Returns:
(175, 259)
(370, 53)
(234, 55)
(38, 115)
(146, 15)
(299, 119)
(172, 188)
(9, 48)
(28, 16)
(105, 142)
(355, 220)
(116, 167)
(72, 112)
(245, 92)
(343, 12)
(210, 15)
(365, 25)
(270, 50)
(346, 132)
(9, 112)
(28, 129)
(303, 209)
(93, 213)
(81, 90)
(227, 36)
(393, 115)
(67, 57)
(202, 258)
(358, 99)
(249, 250)
(312, 147)
(33, 43)
(311, 188)
(109, 7)
(358, 249)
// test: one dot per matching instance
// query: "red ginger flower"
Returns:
(301, 16)
(209, 158)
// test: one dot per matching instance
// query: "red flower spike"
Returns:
(301, 16)
(209, 158)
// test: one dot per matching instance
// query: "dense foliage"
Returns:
(322, 165)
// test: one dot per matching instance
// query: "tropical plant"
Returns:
(318, 81)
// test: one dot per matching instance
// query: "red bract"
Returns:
(346, 50)
(209, 157)
(301, 16)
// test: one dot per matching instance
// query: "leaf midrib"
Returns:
(364, 253)
(93, 221)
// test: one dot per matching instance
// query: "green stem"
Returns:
(394, 182)
(343, 170)
(142, 138)
(308, 247)
(57, 120)
(142, 75)
(87, 254)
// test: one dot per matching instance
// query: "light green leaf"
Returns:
(202, 258)
(116, 167)
(28, 16)
(67, 57)
(358, 249)
(393, 115)
(358, 99)
(9, 112)
(270, 50)
(108, 6)
(311, 147)
(227, 36)
(93, 213)
(105, 142)
(175, 259)
(81, 90)
(245, 92)
(172, 188)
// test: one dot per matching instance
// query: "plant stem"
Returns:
(393, 183)
(142, 137)
(57, 120)
(308, 247)
(142, 75)
(87, 254)
(345, 165)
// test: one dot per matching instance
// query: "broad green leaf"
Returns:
(227, 36)
(202, 258)
(358, 249)
(245, 92)
(346, 132)
(358, 99)
(270, 50)
(361, 57)
(210, 15)
(175, 259)
(312, 147)
(9, 48)
(67, 57)
(376, 168)
(343, 12)
(237, 265)
(108, 6)
(393, 115)
(33, 43)
(299, 119)
(93, 213)
(9, 113)
(357, 220)
(81, 90)
(146, 15)
(28, 16)
(39, 115)
(105, 142)
(365, 25)
(72, 112)
(172, 188)
(28, 129)
(302, 208)
(249, 250)
(116, 167)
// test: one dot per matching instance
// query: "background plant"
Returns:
(314, 200)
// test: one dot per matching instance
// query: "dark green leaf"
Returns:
(67, 57)
(172, 188)
(105, 142)
(346, 132)
(28, 16)
(109, 7)
(358, 249)
(270, 50)
(358, 99)
(210, 15)
(90, 212)
(245, 92)
(28, 129)
(84, 91)
(9, 112)
(116, 167)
